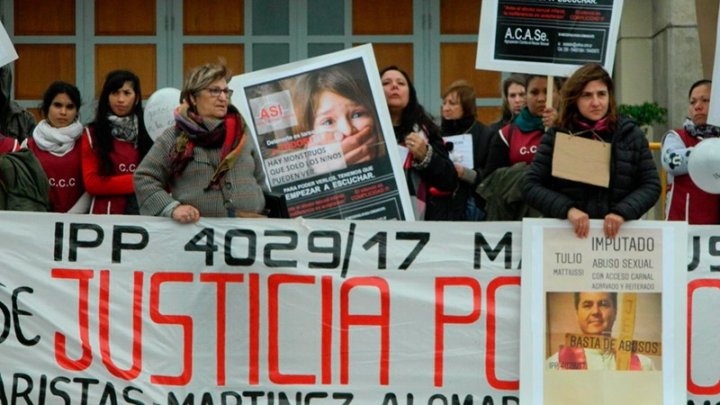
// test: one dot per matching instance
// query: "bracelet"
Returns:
(426, 161)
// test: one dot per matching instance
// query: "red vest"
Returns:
(64, 173)
(125, 157)
(8, 144)
(522, 145)
(703, 208)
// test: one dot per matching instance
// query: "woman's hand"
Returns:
(460, 169)
(580, 221)
(612, 224)
(417, 145)
(549, 116)
(185, 214)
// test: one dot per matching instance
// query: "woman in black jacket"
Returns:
(588, 109)
(459, 118)
(430, 173)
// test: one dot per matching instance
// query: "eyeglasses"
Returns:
(215, 91)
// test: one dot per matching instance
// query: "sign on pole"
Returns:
(551, 37)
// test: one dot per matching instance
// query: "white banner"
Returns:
(703, 324)
(141, 310)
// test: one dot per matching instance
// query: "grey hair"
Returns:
(201, 77)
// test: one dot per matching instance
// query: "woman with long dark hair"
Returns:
(115, 143)
(430, 173)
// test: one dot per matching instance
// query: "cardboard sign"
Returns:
(580, 159)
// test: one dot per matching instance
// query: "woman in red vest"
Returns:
(115, 144)
(685, 201)
(518, 140)
(54, 143)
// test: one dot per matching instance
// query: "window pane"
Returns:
(128, 17)
(488, 115)
(378, 17)
(458, 62)
(270, 17)
(269, 55)
(400, 55)
(213, 17)
(322, 49)
(140, 59)
(41, 17)
(459, 16)
(326, 17)
(41, 64)
(199, 54)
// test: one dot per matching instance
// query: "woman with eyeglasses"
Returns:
(206, 165)
(114, 144)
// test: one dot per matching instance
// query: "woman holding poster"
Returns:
(615, 179)
(430, 173)
(205, 165)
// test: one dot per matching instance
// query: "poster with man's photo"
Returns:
(602, 320)
(551, 37)
(325, 136)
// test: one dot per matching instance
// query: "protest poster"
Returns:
(106, 309)
(325, 136)
(7, 50)
(603, 320)
(551, 37)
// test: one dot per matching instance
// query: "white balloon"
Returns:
(159, 111)
(704, 165)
